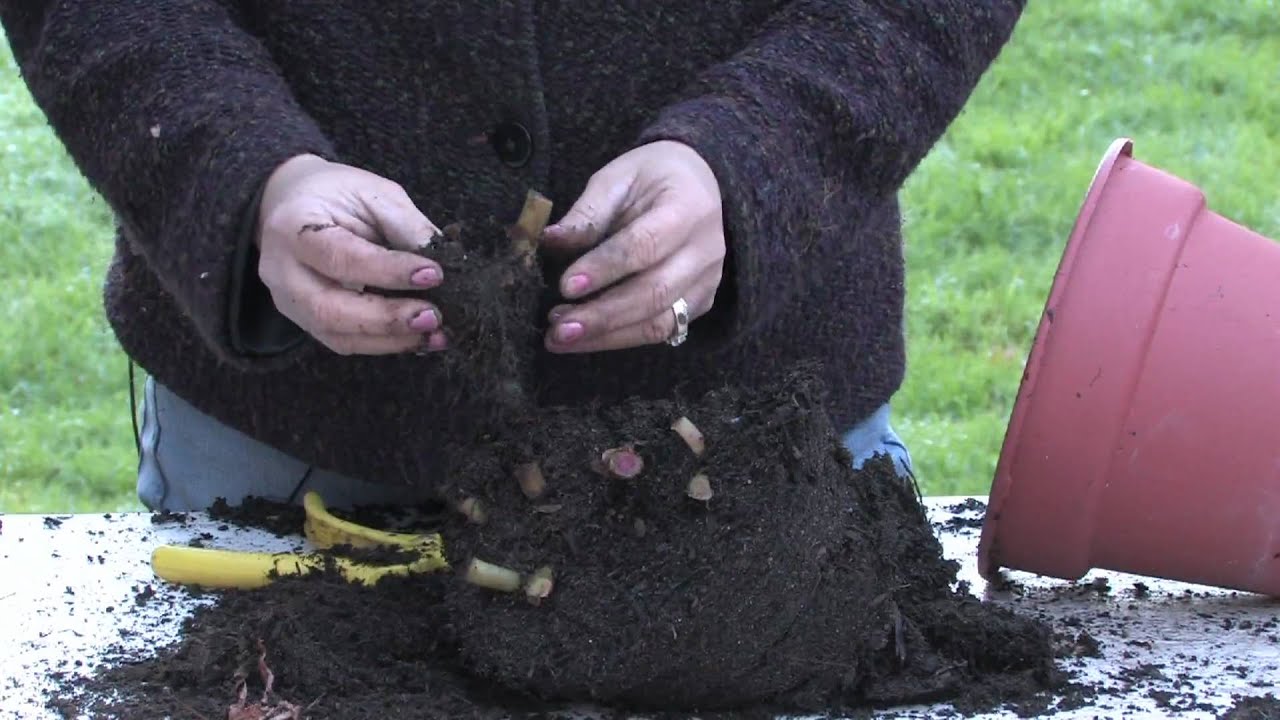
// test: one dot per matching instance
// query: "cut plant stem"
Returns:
(700, 488)
(493, 577)
(540, 584)
(532, 482)
(691, 434)
(473, 509)
(528, 228)
(622, 462)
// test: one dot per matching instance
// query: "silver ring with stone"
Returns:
(680, 309)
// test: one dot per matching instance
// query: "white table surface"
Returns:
(67, 594)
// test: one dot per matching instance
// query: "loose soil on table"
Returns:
(1266, 707)
(787, 582)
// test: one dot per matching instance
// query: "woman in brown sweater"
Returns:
(735, 164)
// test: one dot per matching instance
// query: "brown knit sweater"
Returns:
(811, 113)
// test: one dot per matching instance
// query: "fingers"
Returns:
(395, 217)
(595, 212)
(642, 297)
(337, 253)
(373, 344)
(653, 330)
(639, 311)
(639, 245)
(350, 322)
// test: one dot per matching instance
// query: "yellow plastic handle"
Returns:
(225, 568)
(324, 530)
(229, 569)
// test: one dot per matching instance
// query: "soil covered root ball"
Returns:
(753, 567)
(490, 302)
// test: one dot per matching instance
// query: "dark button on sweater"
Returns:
(513, 143)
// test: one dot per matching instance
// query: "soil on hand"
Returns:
(799, 584)
(489, 302)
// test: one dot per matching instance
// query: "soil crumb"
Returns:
(795, 585)
(166, 517)
(969, 505)
(967, 515)
(1266, 707)
(276, 518)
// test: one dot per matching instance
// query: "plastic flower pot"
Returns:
(1145, 437)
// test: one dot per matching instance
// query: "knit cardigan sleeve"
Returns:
(176, 116)
(824, 114)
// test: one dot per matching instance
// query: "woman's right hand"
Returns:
(326, 231)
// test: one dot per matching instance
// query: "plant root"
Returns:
(264, 709)
(493, 577)
(699, 488)
(531, 480)
(622, 462)
(692, 436)
(528, 228)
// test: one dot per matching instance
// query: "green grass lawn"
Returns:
(1192, 82)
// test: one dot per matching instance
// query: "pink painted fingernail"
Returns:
(425, 321)
(437, 341)
(569, 332)
(578, 284)
(426, 277)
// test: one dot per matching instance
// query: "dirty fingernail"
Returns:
(425, 321)
(426, 277)
(577, 284)
(569, 332)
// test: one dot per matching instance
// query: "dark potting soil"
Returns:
(1266, 707)
(277, 518)
(800, 585)
(799, 579)
(166, 517)
(787, 582)
(489, 302)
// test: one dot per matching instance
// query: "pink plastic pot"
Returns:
(1146, 433)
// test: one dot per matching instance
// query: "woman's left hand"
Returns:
(657, 209)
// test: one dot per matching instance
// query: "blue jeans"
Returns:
(190, 459)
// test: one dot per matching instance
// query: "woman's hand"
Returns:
(325, 232)
(659, 206)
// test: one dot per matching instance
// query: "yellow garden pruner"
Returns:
(211, 568)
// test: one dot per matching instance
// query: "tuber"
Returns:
(473, 509)
(531, 480)
(539, 586)
(699, 488)
(691, 434)
(622, 462)
(528, 228)
(494, 577)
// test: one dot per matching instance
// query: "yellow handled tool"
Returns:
(247, 570)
